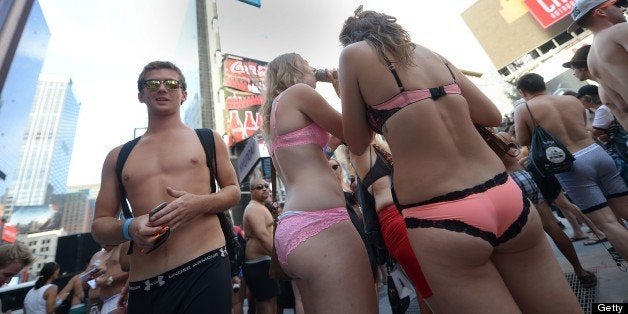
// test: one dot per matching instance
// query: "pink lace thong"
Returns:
(295, 227)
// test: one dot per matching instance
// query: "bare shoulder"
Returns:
(355, 52)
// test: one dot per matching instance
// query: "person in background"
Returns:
(111, 282)
(533, 193)
(43, 298)
(607, 60)
(257, 222)
(13, 258)
(593, 183)
(553, 194)
(316, 243)
(373, 184)
(604, 127)
(426, 109)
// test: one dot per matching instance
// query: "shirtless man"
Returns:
(98, 261)
(168, 164)
(257, 222)
(111, 282)
(593, 183)
(608, 57)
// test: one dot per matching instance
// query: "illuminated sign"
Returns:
(548, 12)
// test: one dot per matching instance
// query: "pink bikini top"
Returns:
(310, 134)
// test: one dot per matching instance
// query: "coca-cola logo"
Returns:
(239, 67)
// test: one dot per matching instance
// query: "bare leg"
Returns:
(563, 204)
(460, 272)
(570, 209)
(563, 243)
(267, 306)
(333, 272)
(298, 304)
(619, 206)
(532, 273)
(616, 233)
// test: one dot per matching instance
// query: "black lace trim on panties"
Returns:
(499, 179)
(459, 226)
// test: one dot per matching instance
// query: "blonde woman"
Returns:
(315, 241)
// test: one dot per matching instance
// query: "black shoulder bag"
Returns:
(547, 154)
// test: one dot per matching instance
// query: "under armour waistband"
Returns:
(160, 280)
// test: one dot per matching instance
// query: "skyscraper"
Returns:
(47, 146)
(16, 95)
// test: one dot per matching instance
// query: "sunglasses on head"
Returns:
(261, 187)
(153, 85)
(335, 167)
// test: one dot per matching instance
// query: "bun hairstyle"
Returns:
(382, 32)
(46, 272)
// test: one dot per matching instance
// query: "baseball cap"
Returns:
(587, 90)
(581, 8)
(579, 57)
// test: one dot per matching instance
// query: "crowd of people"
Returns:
(465, 231)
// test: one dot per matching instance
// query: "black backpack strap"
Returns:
(536, 123)
(231, 241)
(207, 140)
(122, 157)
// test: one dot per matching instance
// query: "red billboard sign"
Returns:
(548, 12)
(9, 233)
(243, 84)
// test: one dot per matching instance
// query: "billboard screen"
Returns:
(243, 83)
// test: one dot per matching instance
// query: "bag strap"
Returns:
(206, 136)
(536, 123)
(122, 157)
(209, 146)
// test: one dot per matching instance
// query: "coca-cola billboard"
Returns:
(243, 83)
(548, 12)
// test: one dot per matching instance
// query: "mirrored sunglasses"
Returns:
(261, 187)
(170, 84)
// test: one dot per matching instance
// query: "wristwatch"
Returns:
(109, 281)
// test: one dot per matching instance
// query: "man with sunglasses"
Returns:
(257, 223)
(608, 56)
(189, 272)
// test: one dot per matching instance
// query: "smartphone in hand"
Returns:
(163, 236)
(157, 208)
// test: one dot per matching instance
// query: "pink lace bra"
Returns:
(310, 134)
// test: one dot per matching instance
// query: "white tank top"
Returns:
(34, 302)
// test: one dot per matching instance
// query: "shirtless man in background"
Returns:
(257, 223)
(168, 164)
(608, 57)
(593, 183)
(111, 282)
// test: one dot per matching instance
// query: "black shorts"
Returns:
(548, 184)
(256, 275)
(195, 287)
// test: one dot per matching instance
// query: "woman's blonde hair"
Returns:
(281, 73)
(380, 31)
